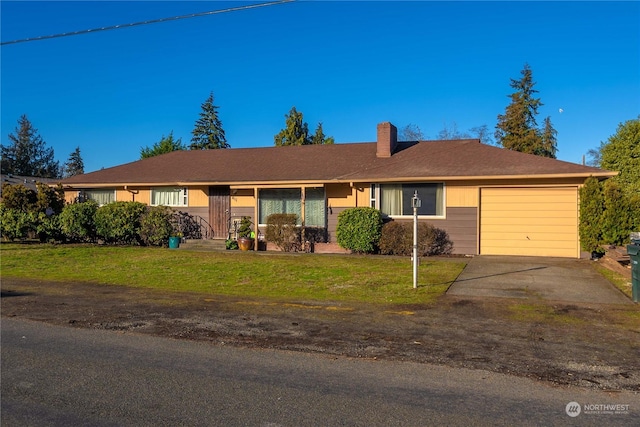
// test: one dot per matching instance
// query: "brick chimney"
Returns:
(387, 139)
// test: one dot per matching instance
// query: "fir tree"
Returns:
(208, 133)
(74, 165)
(28, 154)
(296, 132)
(165, 145)
(320, 138)
(517, 127)
(549, 140)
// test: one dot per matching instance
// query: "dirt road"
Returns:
(595, 346)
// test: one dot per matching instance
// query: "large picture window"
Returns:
(279, 201)
(102, 197)
(169, 196)
(290, 201)
(395, 199)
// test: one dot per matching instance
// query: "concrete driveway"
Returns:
(550, 279)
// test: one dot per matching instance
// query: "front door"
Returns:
(219, 211)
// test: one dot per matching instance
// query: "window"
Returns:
(290, 201)
(102, 197)
(395, 199)
(169, 196)
(314, 207)
(279, 201)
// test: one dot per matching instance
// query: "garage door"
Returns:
(529, 221)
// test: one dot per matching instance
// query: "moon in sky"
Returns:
(560, 110)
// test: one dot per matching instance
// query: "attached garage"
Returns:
(530, 221)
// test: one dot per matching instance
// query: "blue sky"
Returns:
(349, 65)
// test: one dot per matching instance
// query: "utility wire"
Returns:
(151, 21)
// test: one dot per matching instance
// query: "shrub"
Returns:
(18, 197)
(397, 239)
(156, 226)
(616, 219)
(77, 221)
(119, 222)
(47, 227)
(591, 209)
(14, 223)
(245, 229)
(283, 231)
(359, 229)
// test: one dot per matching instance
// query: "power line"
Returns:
(151, 21)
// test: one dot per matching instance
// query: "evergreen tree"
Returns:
(28, 154)
(517, 128)
(74, 165)
(296, 132)
(591, 209)
(622, 153)
(208, 133)
(165, 145)
(549, 140)
(320, 138)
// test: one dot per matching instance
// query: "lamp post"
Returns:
(415, 204)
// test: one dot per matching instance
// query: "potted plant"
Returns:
(246, 235)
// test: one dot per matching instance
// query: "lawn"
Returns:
(282, 276)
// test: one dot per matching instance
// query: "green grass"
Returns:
(370, 279)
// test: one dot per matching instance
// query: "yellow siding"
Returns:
(340, 195)
(242, 198)
(70, 196)
(144, 196)
(529, 221)
(461, 196)
(198, 197)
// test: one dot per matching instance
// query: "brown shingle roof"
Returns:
(457, 159)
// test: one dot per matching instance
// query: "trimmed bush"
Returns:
(283, 231)
(397, 239)
(359, 229)
(77, 221)
(119, 222)
(156, 226)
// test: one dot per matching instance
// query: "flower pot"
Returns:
(245, 243)
(174, 242)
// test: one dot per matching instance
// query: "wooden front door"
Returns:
(219, 211)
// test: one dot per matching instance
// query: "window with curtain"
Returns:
(395, 199)
(314, 207)
(102, 197)
(169, 196)
(279, 201)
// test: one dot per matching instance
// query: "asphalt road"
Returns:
(56, 376)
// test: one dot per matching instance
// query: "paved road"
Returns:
(54, 376)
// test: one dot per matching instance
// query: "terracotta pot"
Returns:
(245, 243)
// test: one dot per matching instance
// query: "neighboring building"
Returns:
(490, 200)
(27, 181)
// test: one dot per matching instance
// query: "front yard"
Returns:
(307, 277)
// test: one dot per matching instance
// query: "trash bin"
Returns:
(174, 242)
(634, 254)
